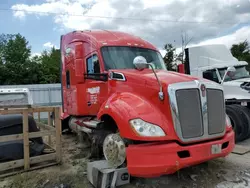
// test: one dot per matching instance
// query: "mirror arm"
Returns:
(224, 77)
(161, 94)
(229, 69)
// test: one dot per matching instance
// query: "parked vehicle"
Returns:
(215, 62)
(13, 124)
(117, 91)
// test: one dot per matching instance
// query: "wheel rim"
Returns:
(114, 150)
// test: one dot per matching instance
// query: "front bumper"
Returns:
(152, 160)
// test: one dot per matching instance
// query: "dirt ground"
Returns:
(230, 172)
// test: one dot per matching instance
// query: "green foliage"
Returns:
(17, 66)
(50, 66)
(169, 56)
(241, 51)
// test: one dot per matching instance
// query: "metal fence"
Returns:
(42, 94)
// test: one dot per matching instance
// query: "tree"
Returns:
(185, 40)
(17, 66)
(50, 66)
(15, 54)
(169, 56)
(241, 51)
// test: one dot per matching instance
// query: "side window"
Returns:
(93, 65)
(67, 79)
(211, 75)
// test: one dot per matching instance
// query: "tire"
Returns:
(65, 126)
(246, 118)
(235, 115)
(97, 140)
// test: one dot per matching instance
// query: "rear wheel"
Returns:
(237, 119)
(245, 115)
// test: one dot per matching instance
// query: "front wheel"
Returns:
(114, 150)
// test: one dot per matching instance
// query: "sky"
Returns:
(42, 22)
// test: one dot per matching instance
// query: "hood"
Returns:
(237, 89)
(237, 82)
(147, 76)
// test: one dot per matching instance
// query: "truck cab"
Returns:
(118, 93)
(216, 63)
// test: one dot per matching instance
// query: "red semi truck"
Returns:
(117, 91)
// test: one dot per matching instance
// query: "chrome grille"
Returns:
(197, 115)
(190, 120)
(216, 111)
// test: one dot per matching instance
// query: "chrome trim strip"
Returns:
(172, 88)
(121, 74)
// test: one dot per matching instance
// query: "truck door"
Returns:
(67, 81)
(96, 90)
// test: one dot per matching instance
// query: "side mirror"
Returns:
(230, 71)
(140, 63)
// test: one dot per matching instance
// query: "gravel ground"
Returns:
(230, 172)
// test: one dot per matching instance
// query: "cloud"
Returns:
(49, 45)
(35, 54)
(240, 35)
(158, 21)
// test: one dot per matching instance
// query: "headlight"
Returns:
(146, 129)
(228, 121)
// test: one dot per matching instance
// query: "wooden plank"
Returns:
(44, 126)
(13, 137)
(31, 169)
(39, 116)
(30, 110)
(11, 165)
(42, 133)
(33, 160)
(58, 135)
(16, 106)
(42, 109)
(16, 137)
(49, 124)
(42, 158)
(26, 148)
(5, 175)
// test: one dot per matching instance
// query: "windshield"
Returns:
(122, 57)
(241, 72)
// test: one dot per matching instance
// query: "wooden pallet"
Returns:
(30, 163)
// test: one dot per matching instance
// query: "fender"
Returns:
(123, 107)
